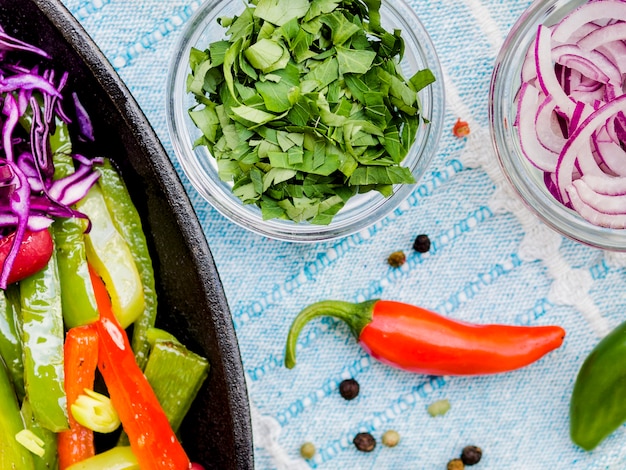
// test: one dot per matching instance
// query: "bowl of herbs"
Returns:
(305, 121)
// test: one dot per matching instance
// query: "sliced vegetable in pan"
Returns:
(68, 372)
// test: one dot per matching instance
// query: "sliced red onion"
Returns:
(591, 64)
(602, 35)
(548, 128)
(536, 153)
(545, 71)
(616, 221)
(588, 13)
(609, 152)
(580, 138)
(611, 186)
(607, 204)
(577, 69)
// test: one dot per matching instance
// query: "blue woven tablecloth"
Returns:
(490, 261)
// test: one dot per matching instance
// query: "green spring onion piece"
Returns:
(95, 411)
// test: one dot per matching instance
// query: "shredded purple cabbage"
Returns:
(30, 199)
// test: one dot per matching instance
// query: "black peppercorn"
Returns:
(421, 243)
(364, 441)
(471, 455)
(349, 389)
(396, 259)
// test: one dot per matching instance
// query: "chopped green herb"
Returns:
(303, 105)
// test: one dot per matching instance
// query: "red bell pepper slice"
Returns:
(81, 360)
(33, 255)
(151, 437)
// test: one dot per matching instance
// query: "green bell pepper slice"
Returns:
(128, 223)
(12, 454)
(50, 458)
(78, 299)
(42, 342)
(11, 338)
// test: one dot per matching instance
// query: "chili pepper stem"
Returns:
(356, 316)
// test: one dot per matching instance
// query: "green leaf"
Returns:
(300, 112)
(351, 61)
(392, 144)
(300, 46)
(196, 57)
(324, 73)
(270, 209)
(374, 14)
(300, 208)
(286, 140)
(289, 31)
(422, 79)
(217, 51)
(341, 28)
(409, 131)
(242, 27)
(267, 55)
(279, 12)
(374, 175)
(254, 115)
(196, 84)
(207, 121)
(276, 95)
(229, 60)
(320, 6)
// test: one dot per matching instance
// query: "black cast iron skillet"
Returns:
(217, 432)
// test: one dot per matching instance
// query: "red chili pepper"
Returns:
(151, 437)
(418, 340)
(80, 362)
(33, 255)
(461, 128)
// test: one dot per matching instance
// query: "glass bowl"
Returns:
(527, 180)
(361, 210)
